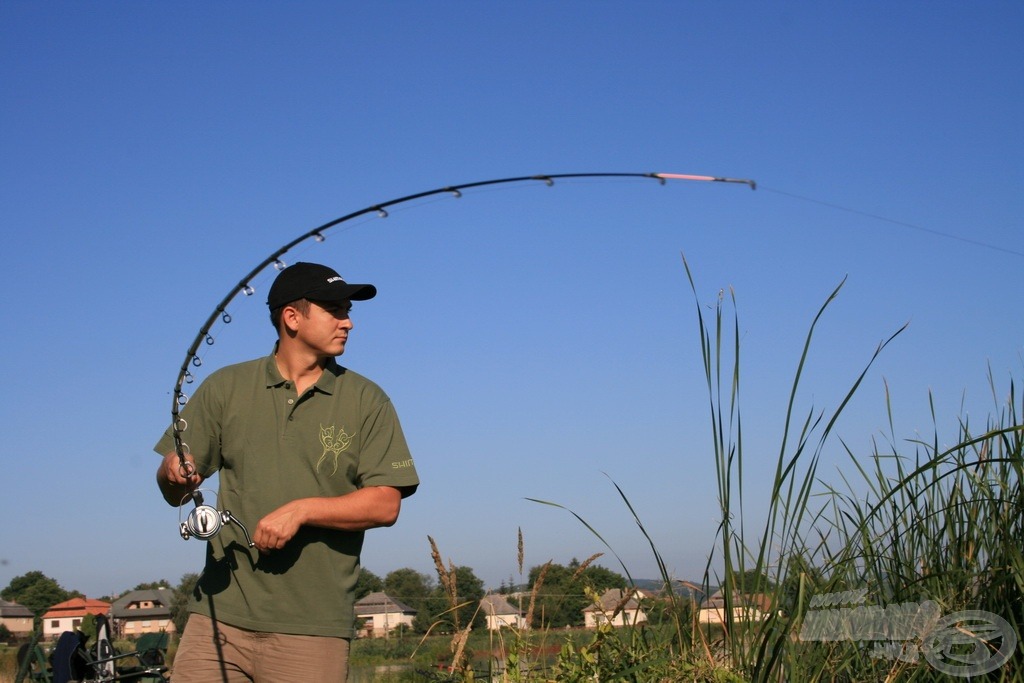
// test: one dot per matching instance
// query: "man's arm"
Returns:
(367, 508)
(175, 487)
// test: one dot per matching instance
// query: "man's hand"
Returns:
(175, 480)
(367, 508)
(279, 527)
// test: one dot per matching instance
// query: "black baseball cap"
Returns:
(314, 282)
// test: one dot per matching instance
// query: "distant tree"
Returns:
(153, 585)
(802, 581)
(558, 602)
(562, 595)
(36, 591)
(600, 579)
(414, 589)
(466, 611)
(753, 581)
(367, 583)
(5, 634)
(88, 626)
(181, 599)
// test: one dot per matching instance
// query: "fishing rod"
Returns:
(206, 517)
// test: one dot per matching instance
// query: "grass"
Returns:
(916, 553)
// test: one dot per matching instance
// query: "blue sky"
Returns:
(539, 342)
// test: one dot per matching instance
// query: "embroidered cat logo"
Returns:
(333, 445)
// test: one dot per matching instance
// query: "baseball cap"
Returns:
(314, 282)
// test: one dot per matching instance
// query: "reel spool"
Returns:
(206, 521)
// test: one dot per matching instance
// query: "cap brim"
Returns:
(343, 293)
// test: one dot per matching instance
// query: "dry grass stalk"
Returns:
(536, 589)
(583, 567)
(446, 576)
(458, 649)
(519, 557)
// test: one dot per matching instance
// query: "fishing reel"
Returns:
(206, 521)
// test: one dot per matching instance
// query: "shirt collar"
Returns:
(324, 383)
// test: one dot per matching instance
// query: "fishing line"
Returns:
(904, 224)
(206, 518)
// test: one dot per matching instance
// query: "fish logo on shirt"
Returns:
(333, 445)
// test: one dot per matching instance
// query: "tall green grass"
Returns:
(936, 524)
(909, 528)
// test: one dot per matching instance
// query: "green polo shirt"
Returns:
(272, 446)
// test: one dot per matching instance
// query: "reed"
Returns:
(915, 554)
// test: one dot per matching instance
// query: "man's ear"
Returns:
(290, 318)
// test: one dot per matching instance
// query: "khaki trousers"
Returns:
(219, 653)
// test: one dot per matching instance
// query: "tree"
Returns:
(181, 600)
(753, 581)
(556, 603)
(414, 589)
(470, 590)
(367, 583)
(153, 585)
(600, 579)
(37, 592)
(562, 597)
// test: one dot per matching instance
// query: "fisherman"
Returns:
(316, 454)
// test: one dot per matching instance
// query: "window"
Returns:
(55, 623)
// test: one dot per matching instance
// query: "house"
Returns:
(143, 611)
(17, 618)
(499, 612)
(616, 607)
(382, 614)
(68, 615)
(745, 607)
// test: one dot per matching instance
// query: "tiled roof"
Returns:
(380, 603)
(612, 599)
(77, 607)
(758, 600)
(13, 609)
(494, 604)
(161, 599)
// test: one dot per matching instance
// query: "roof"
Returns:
(615, 599)
(381, 603)
(122, 608)
(13, 609)
(77, 607)
(758, 600)
(495, 605)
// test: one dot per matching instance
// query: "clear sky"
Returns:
(538, 342)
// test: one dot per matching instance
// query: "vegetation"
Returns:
(37, 592)
(917, 558)
(909, 568)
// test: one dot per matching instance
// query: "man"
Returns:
(310, 455)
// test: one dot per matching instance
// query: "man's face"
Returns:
(325, 327)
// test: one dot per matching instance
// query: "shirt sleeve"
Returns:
(385, 459)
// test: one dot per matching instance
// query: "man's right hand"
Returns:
(177, 479)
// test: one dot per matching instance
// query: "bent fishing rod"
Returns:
(205, 521)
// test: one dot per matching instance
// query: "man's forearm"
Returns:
(368, 508)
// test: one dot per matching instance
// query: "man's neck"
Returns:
(303, 369)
